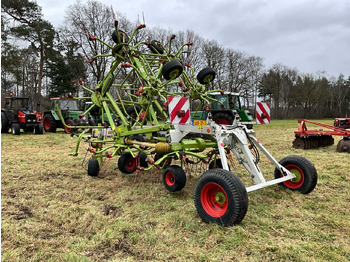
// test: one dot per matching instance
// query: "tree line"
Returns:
(41, 61)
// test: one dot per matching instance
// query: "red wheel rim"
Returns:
(47, 123)
(169, 179)
(298, 180)
(222, 121)
(68, 130)
(214, 199)
(130, 163)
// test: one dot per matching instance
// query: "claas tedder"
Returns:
(147, 123)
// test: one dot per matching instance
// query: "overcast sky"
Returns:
(310, 35)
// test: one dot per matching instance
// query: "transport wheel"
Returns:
(206, 75)
(156, 47)
(93, 167)
(127, 164)
(49, 123)
(39, 129)
(165, 163)
(220, 197)
(15, 129)
(343, 145)
(304, 170)
(69, 122)
(4, 123)
(172, 70)
(174, 178)
(222, 118)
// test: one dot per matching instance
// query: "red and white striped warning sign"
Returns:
(179, 110)
(262, 113)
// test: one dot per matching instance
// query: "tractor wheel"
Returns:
(92, 122)
(93, 167)
(132, 111)
(174, 178)
(222, 118)
(343, 145)
(4, 123)
(306, 174)
(69, 122)
(39, 129)
(15, 129)
(206, 75)
(220, 197)
(127, 164)
(49, 123)
(165, 163)
(217, 164)
(156, 47)
(172, 70)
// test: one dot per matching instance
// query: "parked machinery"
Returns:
(18, 115)
(307, 139)
(146, 76)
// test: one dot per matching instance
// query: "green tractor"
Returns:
(223, 113)
(70, 111)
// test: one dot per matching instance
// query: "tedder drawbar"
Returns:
(148, 124)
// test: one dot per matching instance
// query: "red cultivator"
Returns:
(307, 139)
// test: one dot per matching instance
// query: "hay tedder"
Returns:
(313, 138)
(147, 123)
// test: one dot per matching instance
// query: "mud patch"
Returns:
(113, 211)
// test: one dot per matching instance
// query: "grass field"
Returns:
(52, 211)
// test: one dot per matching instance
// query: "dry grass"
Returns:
(51, 210)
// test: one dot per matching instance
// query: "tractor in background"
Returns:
(18, 115)
(223, 112)
(70, 111)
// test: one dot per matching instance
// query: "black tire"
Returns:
(4, 123)
(206, 75)
(216, 164)
(222, 118)
(156, 47)
(93, 167)
(143, 160)
(172, 70)
(49, 123)
(123, 37)
(220, 197)
(174, 178)
(132, 111)
(343, 145)
(127, 164)
(69, 122)
(15, 129)
(165, 163)
(305, 171)
(39, 129)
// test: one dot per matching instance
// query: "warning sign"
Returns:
(262, 113)
(179, 110)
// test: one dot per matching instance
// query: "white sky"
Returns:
(310, 35)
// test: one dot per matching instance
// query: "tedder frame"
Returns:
(148, 124)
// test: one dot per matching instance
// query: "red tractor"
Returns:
(17, 115)
(342, 122)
